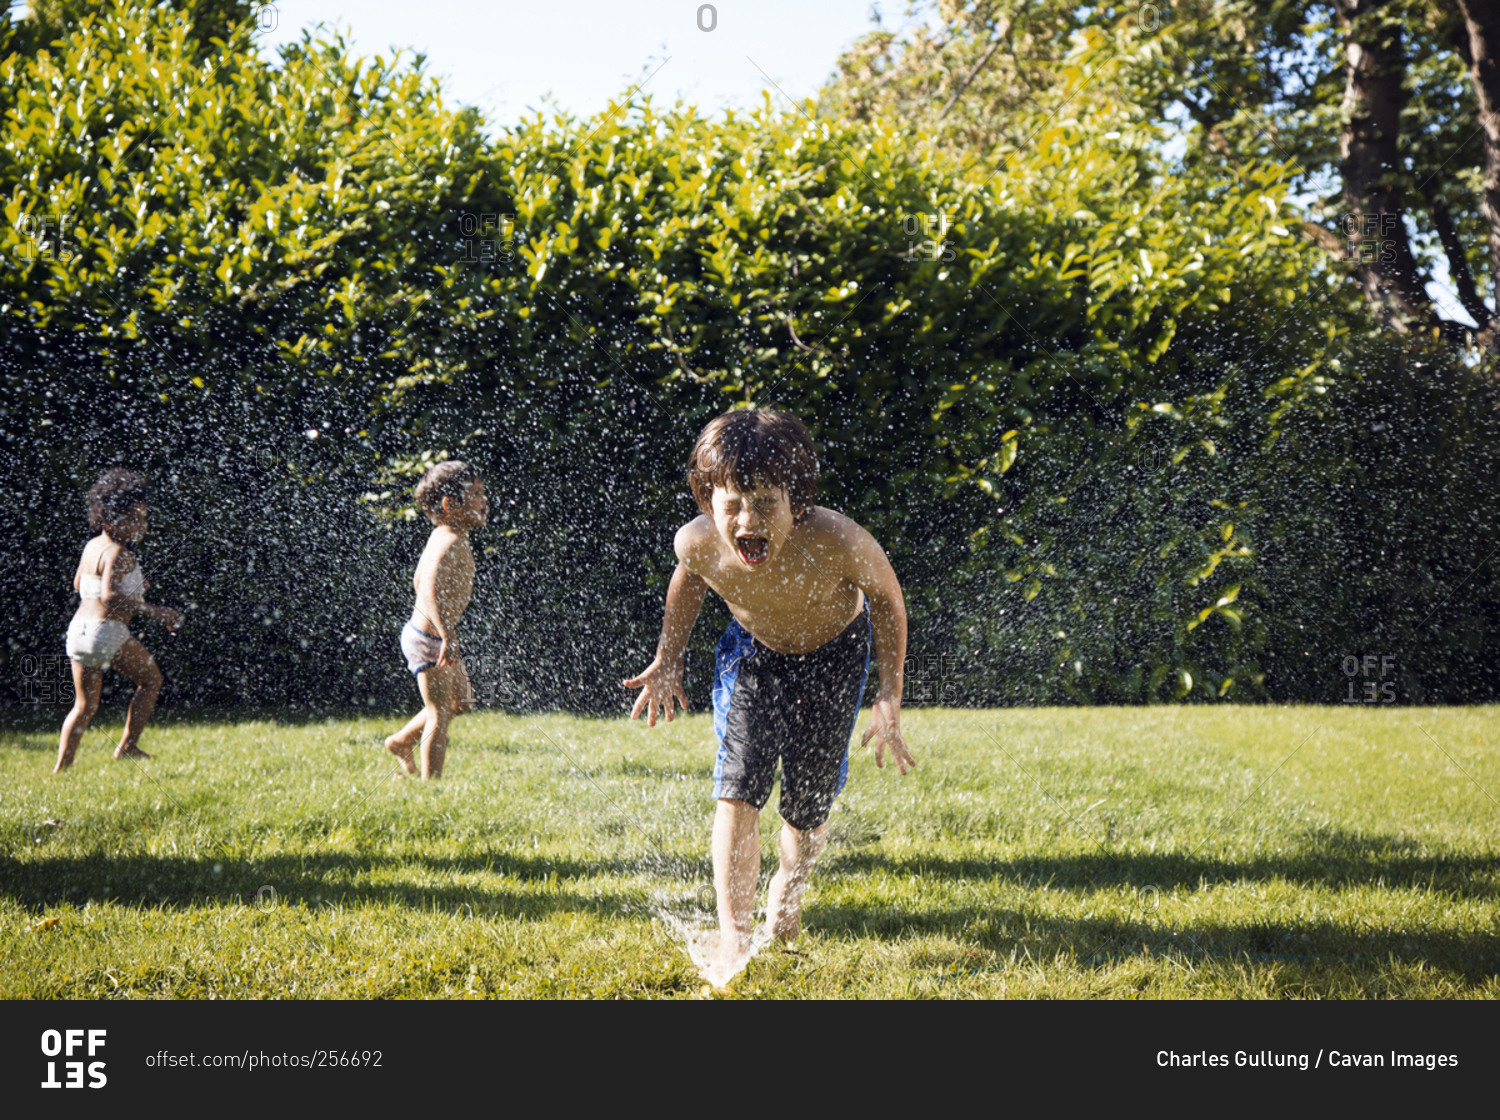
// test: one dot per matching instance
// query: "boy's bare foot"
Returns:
(728, 958)
(403, 754)
(720, 959)
(786, 928)
(130, 752)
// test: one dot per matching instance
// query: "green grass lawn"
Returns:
(1158, 852)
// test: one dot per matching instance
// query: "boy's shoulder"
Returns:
(695, 541)
(821, 519)
(443, 541)
(831, 529)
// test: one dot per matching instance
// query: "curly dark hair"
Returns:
(117, 492)
(446, 480)
(743, 449)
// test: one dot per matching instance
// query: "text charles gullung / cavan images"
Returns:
(1332, 1059)
(259, 1059)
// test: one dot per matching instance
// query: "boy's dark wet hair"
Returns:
(446, 480)
(756, 447)
(111, 499)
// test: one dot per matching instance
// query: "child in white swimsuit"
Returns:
(111, 589)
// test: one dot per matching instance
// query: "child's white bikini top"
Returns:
(132, 583)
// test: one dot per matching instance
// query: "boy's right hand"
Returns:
(448, 653)
(662, 685)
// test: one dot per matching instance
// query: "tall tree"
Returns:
(1372, 103)
(1482, 33)
(1375, 217)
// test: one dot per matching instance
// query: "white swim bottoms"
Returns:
(420, 648)
(93, 643)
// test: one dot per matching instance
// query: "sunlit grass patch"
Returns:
(1112, 853)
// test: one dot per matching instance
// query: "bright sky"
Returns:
(506, 57)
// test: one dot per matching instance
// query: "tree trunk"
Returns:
(1458, 263)
(1483, 20)
(1372, 172)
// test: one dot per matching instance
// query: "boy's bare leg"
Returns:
(136, 662)
(401, 743)
(736, 854)
(799, 854)
(86, 685)
(463, 691)
(437, 694)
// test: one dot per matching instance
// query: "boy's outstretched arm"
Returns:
(662, 679)
(871, 570)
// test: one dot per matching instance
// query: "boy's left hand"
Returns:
(885, 722)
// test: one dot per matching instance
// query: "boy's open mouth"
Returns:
(752, 549)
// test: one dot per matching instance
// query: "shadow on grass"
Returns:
(546, 885)
(540, 885)
(1328, 858)
(1332, 859)
(1101, 942)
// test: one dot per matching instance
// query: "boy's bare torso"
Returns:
(444, 580)
(802, 599)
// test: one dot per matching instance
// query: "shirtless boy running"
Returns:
(452, 496)
(808, 588)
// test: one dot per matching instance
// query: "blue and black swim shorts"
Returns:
(799, 708)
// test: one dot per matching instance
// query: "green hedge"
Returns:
(1123, 433)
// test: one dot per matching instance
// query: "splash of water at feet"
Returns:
(717, 963)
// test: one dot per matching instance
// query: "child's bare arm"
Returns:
(870, 569)
(118, 604)
(661, 683)
(168, 617)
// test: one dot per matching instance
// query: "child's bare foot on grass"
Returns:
(403, 754)
(720, 959)
(784, 930)
(130, 752)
